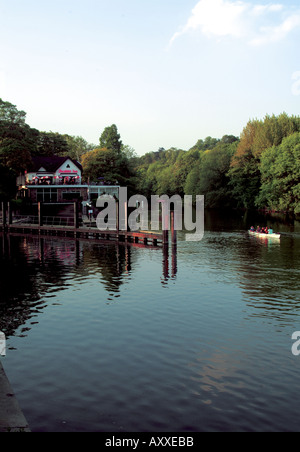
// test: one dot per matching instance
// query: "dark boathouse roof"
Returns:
(51, 164)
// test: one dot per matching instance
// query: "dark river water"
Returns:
(110, 338)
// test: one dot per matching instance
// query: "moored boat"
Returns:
(264, 235)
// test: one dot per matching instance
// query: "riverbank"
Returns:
(11, 417)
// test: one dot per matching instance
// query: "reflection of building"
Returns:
(54, 179)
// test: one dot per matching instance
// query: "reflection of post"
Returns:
(174, 261)
(4, 245)
(3, 214)
(77, 244)
(42, 249)
(166, 262)
(127, 260)
(119, 266)
(9, 246)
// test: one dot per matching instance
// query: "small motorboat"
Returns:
(263, 235)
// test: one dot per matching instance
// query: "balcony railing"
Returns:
(51, 182)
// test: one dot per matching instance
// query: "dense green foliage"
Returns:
(260, 169)
(280, 189)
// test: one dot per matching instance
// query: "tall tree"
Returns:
(106, 165)
(51, 144)
(10, 114)
(111, 139)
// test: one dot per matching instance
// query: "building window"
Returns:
(47, 195)
(71, 196)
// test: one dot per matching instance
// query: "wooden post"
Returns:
(173, 231)
(166, 238)
(117, 218)
(40, 214)
(165, 226)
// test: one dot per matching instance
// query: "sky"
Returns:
(166, 72)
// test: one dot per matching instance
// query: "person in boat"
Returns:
(258, 229)
(252, 229)
(271, 231)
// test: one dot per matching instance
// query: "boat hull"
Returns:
(265, 236)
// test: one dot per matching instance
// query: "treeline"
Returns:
(258, 170)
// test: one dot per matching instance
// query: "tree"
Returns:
(209, 177)
(107, 165)
(256, 138)
(204, 145)
(111, 139)
(9, 114)
(17, 140)
(244, 172)
(51, 143)
(77, 147)
(280, 170)
(192, 185)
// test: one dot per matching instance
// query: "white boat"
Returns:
(265, 236)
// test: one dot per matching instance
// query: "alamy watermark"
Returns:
(296, 344)
(296, 84)
(187, 215)
(2, 344)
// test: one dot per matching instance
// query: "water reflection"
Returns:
(34, 268)
(157, 347)
(267, 272)
(169, 264)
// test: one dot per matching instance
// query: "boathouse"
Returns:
(59, 180)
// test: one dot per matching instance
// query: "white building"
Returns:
(53, 180)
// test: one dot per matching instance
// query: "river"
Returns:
(111, 338)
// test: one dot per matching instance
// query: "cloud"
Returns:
(257, 24)
(268, 34)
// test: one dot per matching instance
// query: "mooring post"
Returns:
(173, 230)
(117, 218)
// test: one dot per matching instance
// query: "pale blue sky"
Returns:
(167, 72)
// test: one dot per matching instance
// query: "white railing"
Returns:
(25, 219)
(58, 221)
(46, 221)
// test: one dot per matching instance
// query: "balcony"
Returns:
(53, 181)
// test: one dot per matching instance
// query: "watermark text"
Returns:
(188, 216)
(2, 344)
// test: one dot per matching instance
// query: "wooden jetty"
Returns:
(72, 228)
